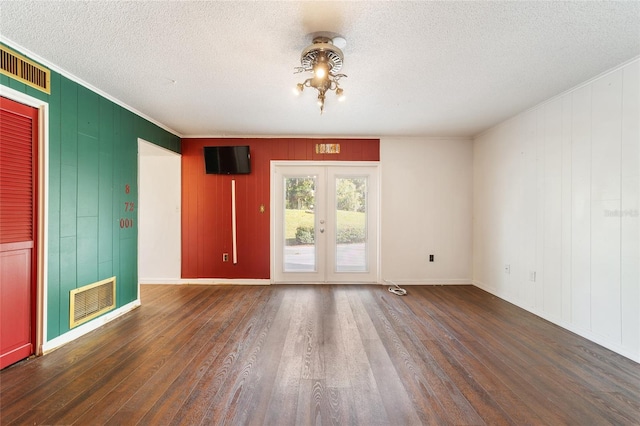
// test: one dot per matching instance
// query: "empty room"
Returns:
(320, 212)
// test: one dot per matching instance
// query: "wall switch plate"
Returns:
(532, 276)
(507, 269)
(431, 258)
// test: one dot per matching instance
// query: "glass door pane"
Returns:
(300, 252)
(351, 224)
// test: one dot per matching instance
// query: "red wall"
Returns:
(206, 202)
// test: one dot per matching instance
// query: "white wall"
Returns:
(426, 193)
(159, 185)
(556, 193)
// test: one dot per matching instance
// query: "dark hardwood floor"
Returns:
(302, 355)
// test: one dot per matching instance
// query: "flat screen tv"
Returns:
(227, 160)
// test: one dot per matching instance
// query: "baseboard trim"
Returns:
(160, 281)
(422, 281)
(256, 281)
(72, 335)
(224, 281)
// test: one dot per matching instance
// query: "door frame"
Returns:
(42, 209)
(272, 203)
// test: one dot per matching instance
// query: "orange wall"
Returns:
(206, 202)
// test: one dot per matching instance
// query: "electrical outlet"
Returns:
(225, 257)
(507, 269)
(532, 276)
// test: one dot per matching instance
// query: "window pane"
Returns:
(351, 224)
(299, 224)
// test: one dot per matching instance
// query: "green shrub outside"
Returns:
(348, 235)
(305, 235)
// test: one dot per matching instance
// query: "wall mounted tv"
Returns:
(227, 160)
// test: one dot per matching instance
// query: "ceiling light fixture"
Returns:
(324, 59)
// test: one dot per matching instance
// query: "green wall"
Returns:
(93, 145)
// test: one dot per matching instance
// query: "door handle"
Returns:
(321, 230)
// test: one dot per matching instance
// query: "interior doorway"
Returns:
(325, 222)
(159, 210)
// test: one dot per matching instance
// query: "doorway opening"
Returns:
(159, 177)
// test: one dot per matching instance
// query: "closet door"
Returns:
(18, 177)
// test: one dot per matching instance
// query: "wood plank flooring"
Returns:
(303, 355)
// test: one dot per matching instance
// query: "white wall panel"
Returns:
(528, 211)
(605, 270)
(426, 189)
(565, 259)
(630, 263)
(581, 207)
(504, 222)
(573, 185)
(606, 121)
(540, 210)
(552, 193)
(509, 183)
(630, 208)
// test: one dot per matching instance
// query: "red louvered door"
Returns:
(18, 177)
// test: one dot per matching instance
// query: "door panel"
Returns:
(325, 223)
(15, 288)
(353, 203)
(300, 251)
(18, 206)
(299, 248)
(351, 223)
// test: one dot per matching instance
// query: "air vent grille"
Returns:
(17, 66)
(91, 301)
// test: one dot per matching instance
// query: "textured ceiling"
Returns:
(414, 68)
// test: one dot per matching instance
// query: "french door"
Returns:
(324, 222)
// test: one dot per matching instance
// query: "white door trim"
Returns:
(43, 209)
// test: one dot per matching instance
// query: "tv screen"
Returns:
(227, 160)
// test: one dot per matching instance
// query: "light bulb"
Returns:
(320, 71)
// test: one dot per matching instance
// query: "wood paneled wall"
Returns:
(556, 197)
(206, 203)
(92, 156)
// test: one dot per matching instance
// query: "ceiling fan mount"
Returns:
(324, 59)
